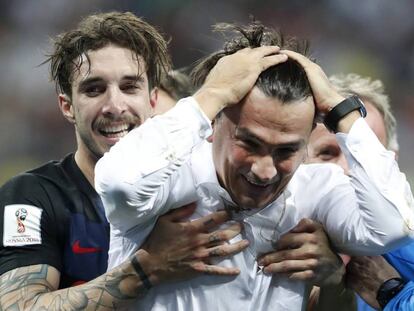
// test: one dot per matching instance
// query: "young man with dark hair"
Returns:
(53, 230)
(253, 170)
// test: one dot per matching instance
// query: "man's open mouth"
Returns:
(116, 131)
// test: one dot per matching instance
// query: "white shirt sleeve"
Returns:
(146, 173)
(378, 216)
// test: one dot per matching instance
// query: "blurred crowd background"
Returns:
(369, 37)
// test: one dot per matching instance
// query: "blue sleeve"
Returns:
(402, 259)
(404, 301)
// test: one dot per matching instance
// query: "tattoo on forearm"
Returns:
(35, 288)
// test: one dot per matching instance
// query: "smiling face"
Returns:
(323, 146)
(110, 96)
(258, 145)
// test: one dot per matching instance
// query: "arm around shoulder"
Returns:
(137, 176)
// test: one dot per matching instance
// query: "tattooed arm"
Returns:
(35, 288)
(176, 249)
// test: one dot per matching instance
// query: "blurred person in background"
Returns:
(174, 85)
(53, 230)
(374, 278)
(252, 168)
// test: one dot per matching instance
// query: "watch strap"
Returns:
(341, 110)
(388, 290)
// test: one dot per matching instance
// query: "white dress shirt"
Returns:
(166, 163)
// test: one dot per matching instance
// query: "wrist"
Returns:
(343, 115)
(145, 268)
(388, 290)
(210, 101)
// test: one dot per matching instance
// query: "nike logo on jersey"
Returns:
(77, 249)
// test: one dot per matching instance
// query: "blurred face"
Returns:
(258, 145)
(164, 102)
(108, 99)
(323, 146)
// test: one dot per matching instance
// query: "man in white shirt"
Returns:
(253, 169)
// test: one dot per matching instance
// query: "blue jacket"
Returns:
(402, 260)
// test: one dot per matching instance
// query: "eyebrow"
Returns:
(244, 133)
(91, 80)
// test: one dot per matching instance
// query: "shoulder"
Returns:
(41, 187)
(320, 174)
(311, 183)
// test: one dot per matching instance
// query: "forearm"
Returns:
(136, 177)
(32, 288)
(384, 199)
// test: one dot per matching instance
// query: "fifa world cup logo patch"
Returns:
(21, 225)
(21, 215)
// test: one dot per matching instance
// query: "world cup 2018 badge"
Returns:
(21, 215)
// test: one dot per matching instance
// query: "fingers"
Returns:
(307, 275)
(211, 221)
(306, 225)
(292, 266)
(295, 240)
(301, 59)
(268, 56)
(272, 60)
(181, 213)
(217, 237)
(290, 254)
(221, 250)
(214, 270)
(262, 50)
(225, 234)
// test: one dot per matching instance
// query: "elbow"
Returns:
(388, 241)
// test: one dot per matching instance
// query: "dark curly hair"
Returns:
(97, 31)
(286, 81)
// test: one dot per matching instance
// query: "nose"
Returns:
(114, 102)
(264, 168)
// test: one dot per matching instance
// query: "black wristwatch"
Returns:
(341, 110)
(388, 290)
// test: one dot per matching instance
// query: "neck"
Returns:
(86, 164)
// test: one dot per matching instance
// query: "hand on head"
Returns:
(234, 76)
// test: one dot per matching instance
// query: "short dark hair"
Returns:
(177, 84)
(96, 31)
(286, 81)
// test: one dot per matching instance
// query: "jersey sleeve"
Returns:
(29, 225)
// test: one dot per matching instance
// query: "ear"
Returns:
(211, 137)
(66, 107)
(154, 98)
